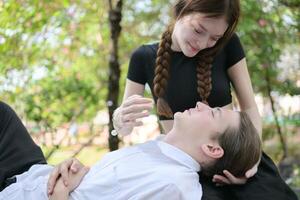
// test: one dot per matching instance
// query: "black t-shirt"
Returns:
(181, 92)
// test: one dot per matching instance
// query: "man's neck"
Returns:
(182, 143)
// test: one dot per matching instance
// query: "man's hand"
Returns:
(62, 170)
(60, 191)
(75, 179)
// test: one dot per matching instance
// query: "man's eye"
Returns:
(212, 113)
(197, 31)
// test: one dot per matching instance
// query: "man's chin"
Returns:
(178, 115)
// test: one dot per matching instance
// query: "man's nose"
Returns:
(201, 106)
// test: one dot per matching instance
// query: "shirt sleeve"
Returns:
(234, 51)
(137, 66)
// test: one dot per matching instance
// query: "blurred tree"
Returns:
(54, 55)
(115, 17)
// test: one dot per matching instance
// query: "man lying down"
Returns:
(202, 139)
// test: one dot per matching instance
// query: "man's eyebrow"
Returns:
(207, 31)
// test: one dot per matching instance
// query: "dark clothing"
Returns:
(181, 92)
(18, 152)
(265, 185)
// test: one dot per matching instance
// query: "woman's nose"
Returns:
(211, 43)
(204, 42)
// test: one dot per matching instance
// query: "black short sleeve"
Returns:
(137, 66)
(234, 51)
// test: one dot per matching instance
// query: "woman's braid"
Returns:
(204, 84)
(161, 77)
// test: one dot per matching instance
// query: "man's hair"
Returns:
(242, 149)
(230, 9)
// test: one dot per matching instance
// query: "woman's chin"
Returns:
(189, 52)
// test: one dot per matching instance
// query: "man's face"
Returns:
(204, 119)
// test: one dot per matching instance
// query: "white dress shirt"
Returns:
(152, 170)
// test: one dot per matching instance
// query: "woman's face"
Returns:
(195, 32)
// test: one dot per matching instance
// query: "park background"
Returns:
(63, 67)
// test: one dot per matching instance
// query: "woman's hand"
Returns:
(229, 179)
(62, 171)
(133, 108)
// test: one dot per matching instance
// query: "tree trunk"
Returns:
(115, 17)
(279, 131)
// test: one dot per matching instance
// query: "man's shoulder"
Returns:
(180, 182)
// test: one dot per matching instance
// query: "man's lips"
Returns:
(188, 111)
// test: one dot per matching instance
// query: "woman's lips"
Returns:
(193, 48)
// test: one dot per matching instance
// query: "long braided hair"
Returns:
(212, 8)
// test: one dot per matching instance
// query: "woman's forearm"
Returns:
(255, 118)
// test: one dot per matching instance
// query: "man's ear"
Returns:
(213, 151)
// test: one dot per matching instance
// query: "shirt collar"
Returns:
(177, 154)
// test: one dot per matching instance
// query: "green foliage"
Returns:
(267, 29)
(57, 99)
(54, 54)
(58, 52)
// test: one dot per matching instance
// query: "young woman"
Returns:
(198, 58)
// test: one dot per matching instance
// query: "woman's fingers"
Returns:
(233, 179)
(133, 124)
(220, 180)
(136, 103)
(251, 172)
(136, 108)
(228, 179)
(136, 99)
(134, 116)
